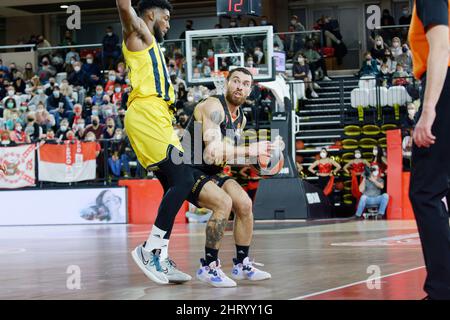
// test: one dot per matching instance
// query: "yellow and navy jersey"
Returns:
(148, 74)
(426, 13)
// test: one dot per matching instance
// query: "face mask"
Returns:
(250, 62)
(30, 119)
(127, 81)
(405, 12)
(95, 122)
(99, 93)
(323, 155)
(301, 60)
(112, 78)
(411, 113)
(376, 173)
(233, 24)
(95, 112)
(395, 44)
(196, 75)
(194, 53)
(404, 50)
(109, 34)
(32, 108)
(90, 139)
(77, 69)
(118, 137)
(379, 43)
(11, 93)
(45, 63)
(70, 137)
(375, 152)
(19, 129)
(263, 23)
(358, 155)
(190, 99)
(56, 94)
(40, 91)
(10, 105)
(89, 61)
(293, 21)
(110, 126)
(210, 53)
(117, 90)
(81, 126)
(251, 25)
(63, 128)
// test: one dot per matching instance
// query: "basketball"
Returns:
(299, 145)
(270, 166)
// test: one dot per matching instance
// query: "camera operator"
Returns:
(371, 187)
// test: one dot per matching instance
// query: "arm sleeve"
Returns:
(432, 12)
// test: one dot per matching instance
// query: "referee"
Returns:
(430, 174)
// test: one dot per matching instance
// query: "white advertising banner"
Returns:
(68, 206)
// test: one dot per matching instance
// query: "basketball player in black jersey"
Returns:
(219, 122)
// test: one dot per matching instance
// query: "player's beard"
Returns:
(234, 100)
(159, 36)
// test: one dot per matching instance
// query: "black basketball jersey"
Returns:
(230, 130)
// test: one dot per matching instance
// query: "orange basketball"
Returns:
(270, 166)
(299, 145)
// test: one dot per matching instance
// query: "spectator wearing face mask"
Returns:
(44, 119)
(259, 55)
(371, 188)
(92, 70)
(11, 94)
(369, 66)
(50, 86)
(400, 77)
(71, 137)
(379, 49)
(96, 127)
(325, 168)
(18, 135)
(109, 130)
(406, 17)
(389, 61)
(32, 129)
(111, 48)
(39, 97)
(50, 137)
(46, 70)
(29, 73)
(99, 95)
(405, 59)
(79, 128)
(63, 129)
(5, 137)
(78, 78)
(59, 105)
(301, 72)
(396, 48)
(117, 95)
(41, 44)
(72, 55)
(315, 61)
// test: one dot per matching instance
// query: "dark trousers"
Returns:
(430, 176)
(316, 65)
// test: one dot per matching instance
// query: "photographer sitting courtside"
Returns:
(371, 187)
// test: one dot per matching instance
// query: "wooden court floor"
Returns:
(335, 259)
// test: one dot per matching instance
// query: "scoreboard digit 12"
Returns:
(239, 7)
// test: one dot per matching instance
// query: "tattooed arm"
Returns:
(211, 114)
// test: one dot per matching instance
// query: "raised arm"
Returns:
(128, 16)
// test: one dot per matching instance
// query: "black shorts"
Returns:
(201, 178)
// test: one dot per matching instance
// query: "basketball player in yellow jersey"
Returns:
(148, 122)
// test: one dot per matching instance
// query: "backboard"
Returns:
(229, 48)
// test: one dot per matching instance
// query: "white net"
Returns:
(219, 81)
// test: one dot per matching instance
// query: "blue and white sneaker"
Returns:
(173, 273)
(214, 275)
(247, 271)
(150, 264)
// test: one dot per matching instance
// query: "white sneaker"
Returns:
(326, 79)
(173, 274)
(316, 86)
(214, 275)
(314, 94)
(247, 271)
(149, 263)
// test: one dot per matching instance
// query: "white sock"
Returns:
(155, 238)
(164, 249)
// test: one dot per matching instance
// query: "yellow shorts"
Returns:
(148, 124)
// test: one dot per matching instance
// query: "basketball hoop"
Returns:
(219, 78)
